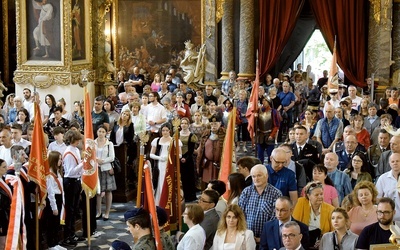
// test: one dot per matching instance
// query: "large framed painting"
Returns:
(151, 33)
(41, 36)
(80, 27)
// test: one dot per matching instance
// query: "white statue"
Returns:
(192, 64)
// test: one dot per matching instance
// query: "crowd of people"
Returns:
(320, 170)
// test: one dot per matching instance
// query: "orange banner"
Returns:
(333, 79)
(149, 193)
(38, 168)
(226, 161)
(90, 167)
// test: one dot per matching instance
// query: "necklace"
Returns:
(366, 213)
(232, 234)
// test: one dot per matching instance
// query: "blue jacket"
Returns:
(270, 237)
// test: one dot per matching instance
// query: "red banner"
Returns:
(252, 107)
(168, 193)
(90, 167)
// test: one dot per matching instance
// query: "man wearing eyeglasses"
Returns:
(291, 236)
(207, 201)
(379, 232)
(271, 237)
(344, 156)
(280, 177)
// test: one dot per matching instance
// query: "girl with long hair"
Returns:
(54, 200)
(236, 184)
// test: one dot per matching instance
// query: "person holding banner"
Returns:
(159, 153)
(53, 212)
(5, 203)
(72, 184)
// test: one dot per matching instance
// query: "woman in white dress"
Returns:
(159, 153)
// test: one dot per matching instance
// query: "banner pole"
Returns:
(140, 177)
(178, 179)
(88, 218)
(36, 218)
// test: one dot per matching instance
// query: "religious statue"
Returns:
(192, 64)
(2, 87)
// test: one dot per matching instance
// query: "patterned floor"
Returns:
(113, 229)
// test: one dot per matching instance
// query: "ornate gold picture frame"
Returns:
(42, 37)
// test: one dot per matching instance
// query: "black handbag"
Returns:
(116, 165)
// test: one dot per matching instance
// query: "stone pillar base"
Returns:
(224, 75)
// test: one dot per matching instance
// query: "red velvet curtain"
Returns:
(347, 21)
(277, 21)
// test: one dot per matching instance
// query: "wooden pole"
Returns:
(88, 218)
(140, 177)
(178, 178)
(36, 218)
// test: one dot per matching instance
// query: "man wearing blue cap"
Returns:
(139, 225)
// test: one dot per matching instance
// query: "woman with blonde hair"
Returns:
(364, 213)
(155, 85)
(309, 121)
(341, 237)
(232, 232)
(122, 138)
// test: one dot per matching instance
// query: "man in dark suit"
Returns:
(244, 166)
(302, 151)
(208, 201)
(291, 236)
(383, 164)
(375, 151)
(271, 236)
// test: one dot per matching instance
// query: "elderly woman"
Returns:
(358, 168)
(342, 237)
(364, 213)
(314, 212)
(232, 232)
(195, 238)
(13, 112)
